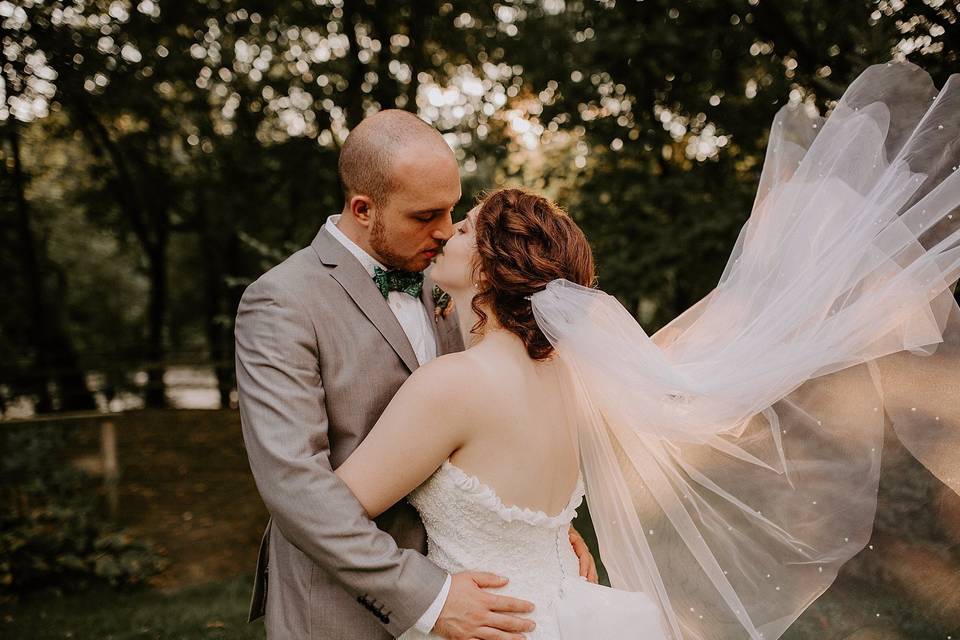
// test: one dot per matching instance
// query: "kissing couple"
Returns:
(426, 404)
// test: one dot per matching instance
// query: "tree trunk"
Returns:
(34, 281)
(215, 269)
(215, 338)
(56, 359)
(232, 294)
(383, 93)
(149, 219)
(357, 68)
(155, 396)
(420, 13)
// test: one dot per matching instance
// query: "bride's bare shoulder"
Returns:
(449, 386)
(452, 366)
(455, 372)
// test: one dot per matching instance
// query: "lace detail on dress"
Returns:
(486, 496)
(470, 528)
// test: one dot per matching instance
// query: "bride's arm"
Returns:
(423, 424)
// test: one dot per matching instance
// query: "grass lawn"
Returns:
(212, 610)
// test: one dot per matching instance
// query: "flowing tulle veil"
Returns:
(732, 459)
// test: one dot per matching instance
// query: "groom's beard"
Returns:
(380, 243)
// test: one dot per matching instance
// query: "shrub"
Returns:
(52, 534)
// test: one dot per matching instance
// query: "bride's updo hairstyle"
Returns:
(523, 242)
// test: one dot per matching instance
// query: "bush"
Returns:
(53, 535)
(67, 546)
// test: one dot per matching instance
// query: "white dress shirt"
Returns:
(410, 312)
(416, 324)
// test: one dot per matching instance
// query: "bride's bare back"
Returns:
(492, 411)
(520, 442)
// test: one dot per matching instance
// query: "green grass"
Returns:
(212, 610)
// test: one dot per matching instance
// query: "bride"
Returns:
(731, 460)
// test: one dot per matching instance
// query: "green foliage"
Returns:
(189, 145)
(67, 546)
(52, 534)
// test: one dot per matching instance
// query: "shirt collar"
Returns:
(368, 261)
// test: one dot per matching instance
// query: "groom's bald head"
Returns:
(371, 154)
(400, 184)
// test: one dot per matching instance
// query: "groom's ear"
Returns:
(361, 208)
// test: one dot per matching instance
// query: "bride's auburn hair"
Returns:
(523, 242)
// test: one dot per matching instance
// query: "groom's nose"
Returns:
(444, 229)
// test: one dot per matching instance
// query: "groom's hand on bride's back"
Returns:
(472, 612)
(588, 566)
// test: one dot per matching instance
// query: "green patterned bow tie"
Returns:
(410, 282)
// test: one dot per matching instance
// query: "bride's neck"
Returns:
(469, 318)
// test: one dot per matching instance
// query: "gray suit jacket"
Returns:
(319, 356)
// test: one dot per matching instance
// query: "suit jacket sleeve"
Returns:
(285, 431)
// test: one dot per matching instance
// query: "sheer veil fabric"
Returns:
(732, 459)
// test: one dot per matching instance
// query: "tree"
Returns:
(53, 361)
(215, 126)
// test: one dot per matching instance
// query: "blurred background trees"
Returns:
(157, 155)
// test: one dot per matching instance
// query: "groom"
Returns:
(324, 340)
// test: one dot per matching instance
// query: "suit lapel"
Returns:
(450, 339)
(360, 287)
(445, 330)
(426, 297)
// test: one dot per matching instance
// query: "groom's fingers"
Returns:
(486, 633)
(588, 567)
(510, 624)
(486, 580)
(507, 604)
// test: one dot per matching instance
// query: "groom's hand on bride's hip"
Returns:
(472, 612)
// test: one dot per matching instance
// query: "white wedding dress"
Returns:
(470, 528)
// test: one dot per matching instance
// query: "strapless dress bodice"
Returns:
(469, 528)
